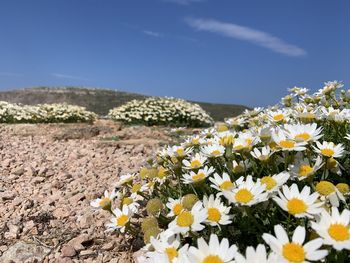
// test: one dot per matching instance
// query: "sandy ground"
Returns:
(49, 174)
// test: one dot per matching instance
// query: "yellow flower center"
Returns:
(214, 214)
(162, 172)
(305, 170)
(327, 152)
(185, 219)
(135, 188)
(302, 136)
(269, 182)
(343, 188)
(293, 252)
(249, 141)
(196, 164)
(331, 163)
(272, 145)
(127, 201)
(226, 185)
(180, 152)
(325, 188)
(177, 208)
(226, 140)
(215, 152)
(198, 177)
(212, 259)
(195, 141)
(339, 232)
(287, 144)
(296, 206)
(244, 196)
(238, 147)
(122, 220)
(278, 117)
(172, 253)
(105, 202)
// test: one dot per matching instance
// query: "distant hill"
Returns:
(100, 101)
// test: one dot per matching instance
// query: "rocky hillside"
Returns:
(100, 100)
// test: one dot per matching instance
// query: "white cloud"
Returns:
(64, 76)
(10, 74)
(183, 2)
(257, 37)
(152, 33)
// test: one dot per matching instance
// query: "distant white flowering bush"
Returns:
(162, 111)
(271, 185)
(43, 113)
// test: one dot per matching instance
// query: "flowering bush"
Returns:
(43, 113)
(271, 185)
(162, 111)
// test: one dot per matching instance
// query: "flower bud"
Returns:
(154, 206)
(189, 200)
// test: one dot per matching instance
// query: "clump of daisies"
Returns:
(44, 113)
(271, 185)
(162, 111)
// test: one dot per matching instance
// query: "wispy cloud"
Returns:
(64, 76)
(152, 33)
(11, 74)
(254, 36)
(183, 2)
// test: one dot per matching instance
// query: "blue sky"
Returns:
(229, 51)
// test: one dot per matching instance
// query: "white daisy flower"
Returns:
(241, 166)
(189, 220)
(303, 132)
(263, 154)
(330, 193)
(105, 202)
(217, 211)
(180, 151)
(246, 192)
(274, 182)
(195, 162)
(302, 168)
(120, 219)
(199, 176)
(215, 150)
(132, 202)
(329, 149)
(165, 245)
(294, 251)
(334, 228)
(124, 179)
(175, 207)
(299, 204)
(286, 144)
(223, 183)
(257, 255)
(214, 251)
(278, 116)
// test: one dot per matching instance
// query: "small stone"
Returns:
(68, 251)
(19, 171)
(64, 260)
(87, 252)
(21, 252)
(38, 179)
(76, 198)
(42, 171)
(61, 213)
(108, 246)
(77, 242)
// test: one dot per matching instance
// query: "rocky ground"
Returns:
(49, 174)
